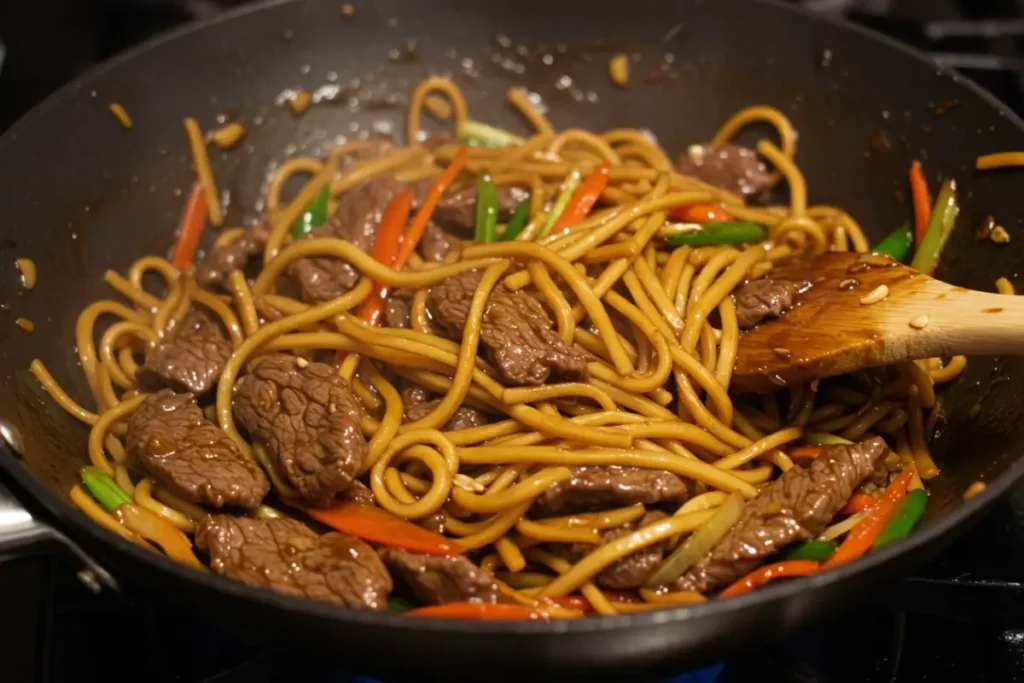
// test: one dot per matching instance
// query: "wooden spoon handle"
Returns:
(958, 321)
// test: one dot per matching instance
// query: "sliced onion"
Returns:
(153, 528)
(699, 543)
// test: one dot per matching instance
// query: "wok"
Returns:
(80, 195)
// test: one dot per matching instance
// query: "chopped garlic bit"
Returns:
(25, 324)
(301, 362)
(696, 153)
(999, 235)
(877, 294)
(974, 489)
(618, 69)
(300, 101)
(27, 268)
(919, 322)
(227, 135)
(122, 116)
(468, 483)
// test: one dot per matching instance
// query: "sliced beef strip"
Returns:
(761, 299)
(436, 579)
(631, 571)
(290, 558)
(307, 420)
(189, 358)
(795, 507)
(600, 488)
(516, 331)
(323, 278)
(457, 210)
(729, 167)
(213, 272)
(417, 403)
(190, 455)
(436, 243)
(396, 313)
(360, 493)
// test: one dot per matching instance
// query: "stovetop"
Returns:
(960, 618)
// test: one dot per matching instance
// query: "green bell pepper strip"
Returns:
(476, 134)
(486, 211)
(104, 489)
(896, 244)
(824, 439)
(818, 551)
(734, 232)
(565, 193)
(398, 605)
(939, 227)
(903, 521)
(315, 215)
(518, 221)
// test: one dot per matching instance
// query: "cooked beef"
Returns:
(436, 243)
(290, 558)
(396, 312)
(761, 299)
(457, 210)
(434, 522)
(323, 278)
(600, 488)
(307, 420)
(190, 455)
(729, 167)
(436, 579)
(629, 572)
(189, 358)
(358, 492)
(417, 404)
(213, 272)
(795, 507)
(516, 331)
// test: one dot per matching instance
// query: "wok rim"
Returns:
(780, 592)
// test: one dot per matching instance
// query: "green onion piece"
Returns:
(517, 222)
(824, 439)
(565, 193)
(699, 543)
(903, 521)
(487, 136)
(486, 211)
(734, 232)
(818, 551)
(104, 489)
(896, 244)
(398, 605)
(939, 227)
(315, 215)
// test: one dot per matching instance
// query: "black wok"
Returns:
(79, 195)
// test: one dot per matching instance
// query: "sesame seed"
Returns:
(301, 362)
(814, 385)
(919, 322)
(468, 483)
(776, 380)
(999, 235)
(877, 294)
(849, 283)
(782, 353)
(331, 408)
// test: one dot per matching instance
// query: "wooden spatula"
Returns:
(844, 323)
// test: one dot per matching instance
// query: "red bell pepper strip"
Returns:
(192, 224)
(862, 536)
(385, 250)
(584, 198)
(858, 503)
(922, 201)
(376, 525)
(419, 223)
(762, 575)
(805, 452)
(479, 611)
(701, 213)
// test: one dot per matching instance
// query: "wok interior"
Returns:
(88, 195)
